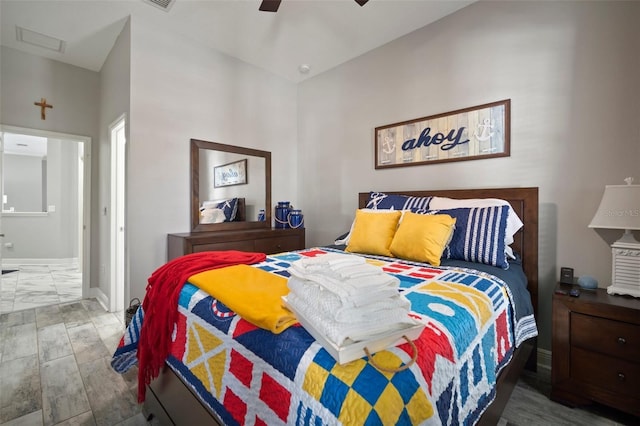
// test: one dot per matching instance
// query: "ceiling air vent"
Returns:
(41, 40)
(161, 4)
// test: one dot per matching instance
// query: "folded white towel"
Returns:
(370, 282)
(332, 306)
(330, 260)
(376, 311)
(345, 298)
(353, 285)
(356, 292)
(338, 332)
(356, 271)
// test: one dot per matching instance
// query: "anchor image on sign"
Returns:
(485, 134)
(388, 145)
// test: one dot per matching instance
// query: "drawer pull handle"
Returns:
(621, 377)
(622, 340)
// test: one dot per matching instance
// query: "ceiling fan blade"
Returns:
(362, 2)
(270, 5)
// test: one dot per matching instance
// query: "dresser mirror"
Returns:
(229, 186)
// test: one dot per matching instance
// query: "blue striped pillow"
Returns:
(478, 235)
(382, 201)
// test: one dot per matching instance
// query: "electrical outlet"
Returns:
(8, 245)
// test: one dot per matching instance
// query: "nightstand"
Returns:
(596, 349)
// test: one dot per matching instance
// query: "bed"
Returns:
(178, 396)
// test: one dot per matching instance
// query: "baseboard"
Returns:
(99, 295)
(32, 261)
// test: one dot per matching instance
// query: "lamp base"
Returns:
(625, 273)
(624, 290)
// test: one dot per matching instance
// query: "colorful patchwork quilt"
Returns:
(248, 375)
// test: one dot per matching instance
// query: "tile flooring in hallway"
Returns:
(31, 286)
(55, 368)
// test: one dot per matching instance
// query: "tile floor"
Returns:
(530, 405)
(33, 286)
(55, 368)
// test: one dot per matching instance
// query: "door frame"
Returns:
(1, 191)
(85, 252)
(118, 289)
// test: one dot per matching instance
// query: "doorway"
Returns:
(45, 185)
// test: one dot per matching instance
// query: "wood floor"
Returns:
(54, 370)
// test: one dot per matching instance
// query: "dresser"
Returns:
(596, 349)
(263, 240)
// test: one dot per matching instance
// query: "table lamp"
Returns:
(620, 209)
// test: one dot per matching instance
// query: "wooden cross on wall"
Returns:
(43, 105)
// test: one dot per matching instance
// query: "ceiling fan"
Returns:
(273, 5)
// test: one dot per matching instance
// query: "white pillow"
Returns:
(513, 221)
(345, 240)
(209, 215)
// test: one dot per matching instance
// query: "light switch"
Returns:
(51, 209)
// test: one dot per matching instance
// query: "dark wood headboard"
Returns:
(524, 202)
(241, 213)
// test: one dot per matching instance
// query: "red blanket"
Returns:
(161, 301)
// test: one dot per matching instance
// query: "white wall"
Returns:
(74, 94)
(571, 70)
(23, 182)
(115, 88)
(51, 235)
(181, 91)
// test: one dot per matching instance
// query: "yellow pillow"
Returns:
(373, 232)
(422, 238)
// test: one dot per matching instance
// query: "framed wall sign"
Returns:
(473, 133)
(230, 174)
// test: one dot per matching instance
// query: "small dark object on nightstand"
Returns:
(566, 275)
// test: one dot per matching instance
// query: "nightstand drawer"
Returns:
(613, 374)
(615, 338)
(277, 245)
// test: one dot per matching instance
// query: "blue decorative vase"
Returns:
(282, 214)
(296, 219)
(588, 282)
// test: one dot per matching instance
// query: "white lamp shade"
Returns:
(619, 208)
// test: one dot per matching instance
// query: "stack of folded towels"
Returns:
(347, 299)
